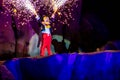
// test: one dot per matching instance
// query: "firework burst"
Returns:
(25, 9)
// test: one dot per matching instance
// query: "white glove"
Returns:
(37, 17)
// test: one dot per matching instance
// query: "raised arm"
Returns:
(37, 17)
(38, 20)
(53, 15)
(52, 18)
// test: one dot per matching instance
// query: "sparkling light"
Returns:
(25, 9)
(57, 4)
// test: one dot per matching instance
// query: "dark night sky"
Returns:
(104, 10)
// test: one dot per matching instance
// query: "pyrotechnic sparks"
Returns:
(25, 9)
(22, 6)
(57, 4)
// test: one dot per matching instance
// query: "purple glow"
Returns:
(108, 57)
(71, 59)
(59, 58)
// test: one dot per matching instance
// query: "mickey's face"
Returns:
(46, 19)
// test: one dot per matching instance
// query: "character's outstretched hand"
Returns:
(53, 15)
(37, 17)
